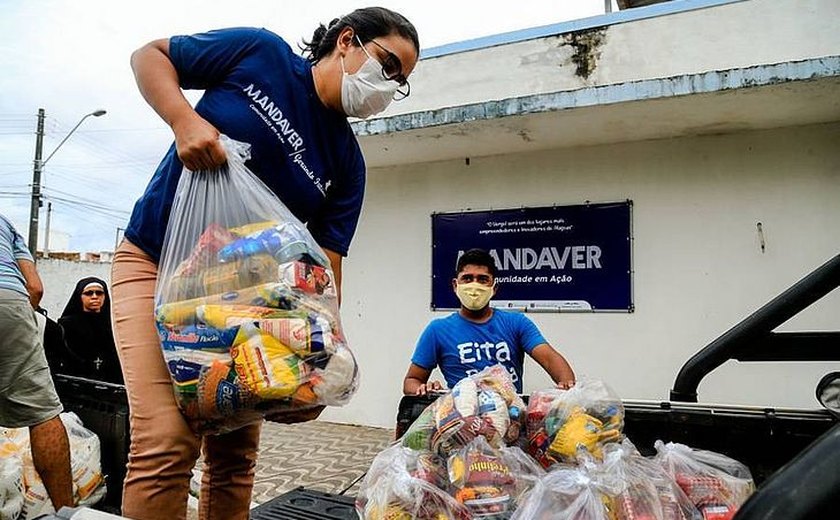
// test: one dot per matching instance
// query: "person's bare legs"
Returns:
(51, 457)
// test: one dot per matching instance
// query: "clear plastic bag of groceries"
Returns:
(716, 484)
(481, 405)
(402, 483)
(491, 482)
(569, 493)
(246, 304)
(85, 468)
(12, 446)
(560, 423)
(644, 489)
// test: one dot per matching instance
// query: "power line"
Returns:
(111, 212)
(111, 164)
(77, 198)
(80, 181)
(118, 156)
(109, 130)
(72, 211)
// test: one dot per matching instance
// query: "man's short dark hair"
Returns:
(476, 257)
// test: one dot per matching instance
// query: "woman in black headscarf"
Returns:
(86, 323)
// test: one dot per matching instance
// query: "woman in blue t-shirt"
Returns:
(256, 90)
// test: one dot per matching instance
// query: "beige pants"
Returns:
(163, 448)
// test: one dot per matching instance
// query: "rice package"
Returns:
(85, 468)
(562, 423)
(481, 405)
(246, 304)
(11, 477)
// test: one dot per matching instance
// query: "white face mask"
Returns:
(366, 92)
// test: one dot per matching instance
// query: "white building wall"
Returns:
(698, 266)
(741, 34)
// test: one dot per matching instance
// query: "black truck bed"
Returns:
(765, 439)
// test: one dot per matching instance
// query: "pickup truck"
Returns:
(794, 454)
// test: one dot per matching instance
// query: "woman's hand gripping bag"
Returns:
(481, 405)
(562, 423)
(246, 304)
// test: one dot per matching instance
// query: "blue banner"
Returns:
(551, 258)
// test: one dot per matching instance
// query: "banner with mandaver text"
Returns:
(558, 258)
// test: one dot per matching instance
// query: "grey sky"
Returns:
(71, 57)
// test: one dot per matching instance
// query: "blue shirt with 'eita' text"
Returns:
(461, 347)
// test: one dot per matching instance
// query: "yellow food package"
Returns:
(226, 316)
(265, 366)
(183, 312)
(249, 229)
(246, 272)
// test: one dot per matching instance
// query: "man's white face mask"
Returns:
(366, 92)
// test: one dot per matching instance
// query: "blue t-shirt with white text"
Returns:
(258, 91)
(461, 347)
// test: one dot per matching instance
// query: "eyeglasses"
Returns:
(392, 71)
(92, 293)
(483, 279)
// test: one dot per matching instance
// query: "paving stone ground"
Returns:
(317, 455)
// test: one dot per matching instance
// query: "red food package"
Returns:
(214, 238)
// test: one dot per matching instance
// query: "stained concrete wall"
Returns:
(698, 265)
(736, 35)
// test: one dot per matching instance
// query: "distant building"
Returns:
(719, 119)
(59, 241)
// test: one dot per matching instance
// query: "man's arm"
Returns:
(555, 364)
(34, 286)
(416, 381)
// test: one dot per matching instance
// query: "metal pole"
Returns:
(47, 231)
(39, 167)
(35, 207)
(66, 137)
(607, 6)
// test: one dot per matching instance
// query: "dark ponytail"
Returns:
(368, 23)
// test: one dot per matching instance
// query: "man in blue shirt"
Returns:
(478, 336)
(27, 395)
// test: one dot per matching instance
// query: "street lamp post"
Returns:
(35, 206)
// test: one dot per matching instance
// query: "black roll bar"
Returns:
(753, 338)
